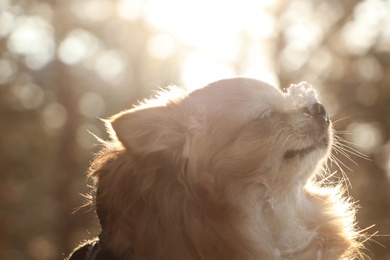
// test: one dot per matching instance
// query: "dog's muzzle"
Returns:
(318, 111)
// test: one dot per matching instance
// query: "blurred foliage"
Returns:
(64, 64)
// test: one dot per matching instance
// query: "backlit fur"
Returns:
(206, 175)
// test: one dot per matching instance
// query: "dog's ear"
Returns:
(148, 130)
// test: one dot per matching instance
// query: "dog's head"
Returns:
(238, 129)
(183, 157)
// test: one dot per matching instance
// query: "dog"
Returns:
(233, 170)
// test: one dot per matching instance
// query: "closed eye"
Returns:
(267, 114)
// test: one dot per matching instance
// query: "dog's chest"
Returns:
(279, 226)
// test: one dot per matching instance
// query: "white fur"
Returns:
(301, 95)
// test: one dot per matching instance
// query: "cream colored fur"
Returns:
(208, 175)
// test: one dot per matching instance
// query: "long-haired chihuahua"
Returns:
(230, 171)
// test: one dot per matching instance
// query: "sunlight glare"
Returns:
(161, 46)
(130, 9)
(200, 69)
(215, 34)
(92, 10)
(303, 36)
(198, 19)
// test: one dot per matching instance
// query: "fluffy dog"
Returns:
(229, 171)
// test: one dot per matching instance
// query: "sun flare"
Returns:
(223, 39)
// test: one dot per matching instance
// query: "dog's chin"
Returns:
(321, 145)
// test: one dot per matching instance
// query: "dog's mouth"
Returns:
(289, 154)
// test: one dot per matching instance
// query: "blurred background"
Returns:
(65, 63)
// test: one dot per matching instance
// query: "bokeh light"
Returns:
(110, 65)
(77, 46)
(130, 9)
(366, 137)
(31, 95)
(161, 46)
(54, 115)
(215, 36)
(92, 10)
(91, 105)
(65, 64)
(7, 70)
(33, 38)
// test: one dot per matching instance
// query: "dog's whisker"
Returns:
(340, 119)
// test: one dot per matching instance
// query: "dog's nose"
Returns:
(317, 110)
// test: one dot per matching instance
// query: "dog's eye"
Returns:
(267, 114)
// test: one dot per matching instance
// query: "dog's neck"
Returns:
(279, 218)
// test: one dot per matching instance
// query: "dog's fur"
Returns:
(229, 171)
